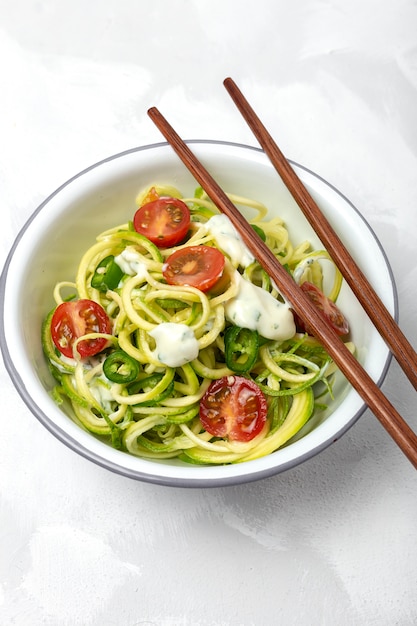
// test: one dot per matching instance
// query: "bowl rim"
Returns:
(253, 473)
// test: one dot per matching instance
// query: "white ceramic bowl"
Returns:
(51, 243)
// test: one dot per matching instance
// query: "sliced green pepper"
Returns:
(241, 348)
(259, 231)
(107, 274)
(120, 367)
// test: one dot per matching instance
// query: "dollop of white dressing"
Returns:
(257, 309)
(228, 240)
(130, 263)
(175, 344)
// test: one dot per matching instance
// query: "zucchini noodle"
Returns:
(156, 415)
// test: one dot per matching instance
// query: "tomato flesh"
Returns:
(233, 407)
(194, 266)
(327, 308)
(72, 320)
(164, 221)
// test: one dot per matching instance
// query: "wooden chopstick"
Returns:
(383, 321)
(347, 363)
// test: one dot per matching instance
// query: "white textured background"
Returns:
(332, 542)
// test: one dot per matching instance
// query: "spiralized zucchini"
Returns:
(156, 416)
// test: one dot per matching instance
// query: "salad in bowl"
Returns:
(157, 345)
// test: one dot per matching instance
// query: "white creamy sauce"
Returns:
(130, 263)
(301, 268)
(257, 309)
(175, 344)
(228, 240)
(102, 393)
(66, 360)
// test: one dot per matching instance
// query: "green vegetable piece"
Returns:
(119, 367)
(107, 274)
(199, 192)
(149, 383)
(259, 232)
(241, 348)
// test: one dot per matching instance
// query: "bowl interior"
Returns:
(50, 245)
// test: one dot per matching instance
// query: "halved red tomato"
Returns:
(233, 407)
(151, 196)
(164, 221)
(194, 266)
(72, 320)
(327, 308)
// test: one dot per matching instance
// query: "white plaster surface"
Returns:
(332, 542)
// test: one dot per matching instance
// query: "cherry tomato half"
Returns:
(328, 309)
(164, 221)
(72, 320)
(194, 266)
(233, 407)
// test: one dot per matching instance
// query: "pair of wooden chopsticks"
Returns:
(392, 421)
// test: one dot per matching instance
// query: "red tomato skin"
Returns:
(164, 221)
(327, 308)
(194, 266)
(234, 408)
(74, 319)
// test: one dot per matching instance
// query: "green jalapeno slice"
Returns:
(119, 367)
(107, 274)
(241, 348)
(259, 231)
